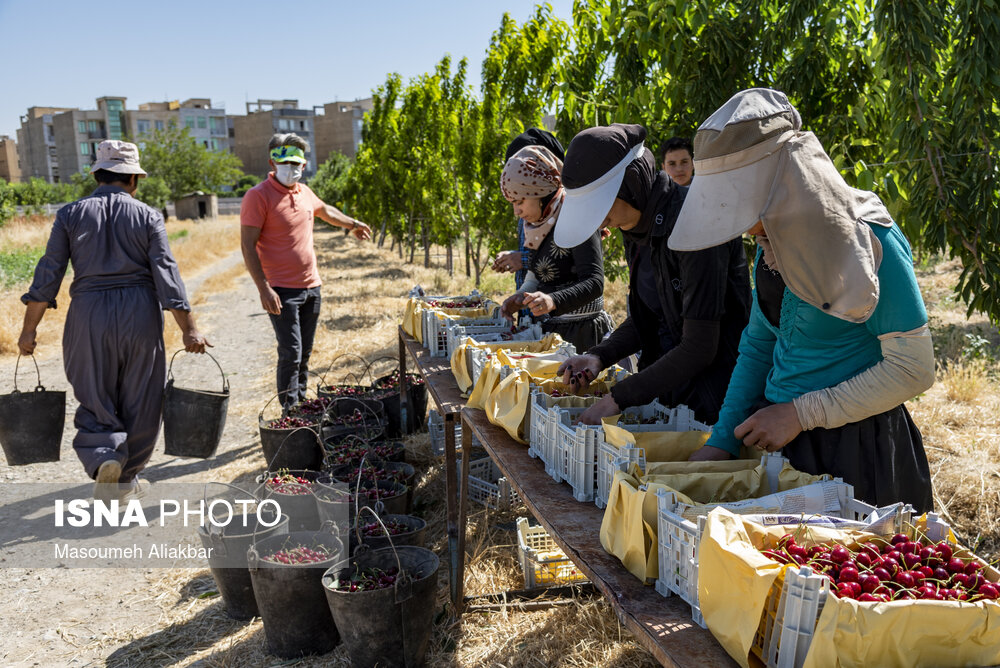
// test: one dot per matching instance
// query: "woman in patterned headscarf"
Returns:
(564, 287)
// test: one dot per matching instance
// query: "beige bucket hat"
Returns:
(754, 163)
(118, 156)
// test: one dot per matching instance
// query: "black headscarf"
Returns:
(595, 151)
(535, 137)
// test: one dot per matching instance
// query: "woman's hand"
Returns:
(511, 305)
(539, 303)
(579, 370)
(771, 428)
(508, 261)
(604, 407)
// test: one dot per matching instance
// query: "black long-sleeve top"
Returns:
(573, 277)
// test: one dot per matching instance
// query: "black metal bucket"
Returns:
(193, 420)
(415, 533)
(390, 627)
(31, 423)
(404, 474)
(331, 501)
(290, 596)
(228, 544)
(416, 410)
(295, 500)
(293, 448)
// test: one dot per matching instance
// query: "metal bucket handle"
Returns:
(39, 387)
(285, 440)
(379, 506)
(364, 362)
(364, 407)
(403, 587)
(225, 380)
(214, 532)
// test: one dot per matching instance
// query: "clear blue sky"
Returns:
(67, 53)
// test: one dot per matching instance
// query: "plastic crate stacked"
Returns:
(435, 427)
(610, 458)
(543, 562)
(796, 600)
(487, 486)
(678, 537)
(489, 333)
(436, 329)
(478, 357)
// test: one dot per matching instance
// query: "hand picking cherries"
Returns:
(897, 569)
(299, 555)
(287, 483)
(369, 580)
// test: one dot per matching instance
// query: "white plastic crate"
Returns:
(677, 537)
(542, 561)
(435, 427)
(417, 292)
(544, 418)
(487, 486)
(679, 418)
(790, 614)
(436, 329)
(489, 333)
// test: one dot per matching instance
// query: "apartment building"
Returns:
(10, 169)
(206, 124)
(36, 144)
(264, 118)
(338, 128)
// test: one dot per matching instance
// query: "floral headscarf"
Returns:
(534, 172)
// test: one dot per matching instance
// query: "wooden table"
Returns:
(662, 625)
(443, 390)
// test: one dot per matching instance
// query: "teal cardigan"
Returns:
(812, 350)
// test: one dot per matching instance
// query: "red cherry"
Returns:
(905, 578)
(868, 597)
(911, 560)
(956, 565)
(973, 567)
(882, 574)
(863, 559)
(840, 554)
(944, 551)
(899, 538)
(848, 574)
(989, 591)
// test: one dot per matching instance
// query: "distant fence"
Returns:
(228, 206)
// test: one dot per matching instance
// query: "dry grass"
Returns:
(196, 246)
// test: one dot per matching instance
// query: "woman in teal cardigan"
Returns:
(838, 337)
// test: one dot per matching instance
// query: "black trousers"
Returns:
(882, 456)
(295, 328)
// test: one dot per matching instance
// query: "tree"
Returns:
(330, 181)
(184, 165)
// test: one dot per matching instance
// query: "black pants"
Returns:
(882, 456)
(295, 328)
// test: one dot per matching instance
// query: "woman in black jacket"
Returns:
(564, 287)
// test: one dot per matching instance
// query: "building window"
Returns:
(302, 125)
(202, 123)
(81, 127)
(159, 125)
(84, 148)
(215, 145)
(189, 122)
(92, 126)
(142, 126)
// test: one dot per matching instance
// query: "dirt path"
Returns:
(78, 617)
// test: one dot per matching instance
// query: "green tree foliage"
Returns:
(903, 95)
(331, 178)
(184, 165)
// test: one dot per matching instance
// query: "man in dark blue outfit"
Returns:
(124, 276)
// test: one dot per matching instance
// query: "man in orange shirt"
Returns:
(276, 233)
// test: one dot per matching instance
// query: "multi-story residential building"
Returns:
(205, 123)
(36, 144)
(10, 169)
(151, 117)
(338, 128)
(264, 118)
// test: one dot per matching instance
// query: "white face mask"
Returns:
(288, 173)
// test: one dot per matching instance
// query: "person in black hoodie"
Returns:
(686, 309)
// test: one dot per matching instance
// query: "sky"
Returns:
(61, 53)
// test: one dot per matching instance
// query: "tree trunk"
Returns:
(427, 245)
(451, 259)
(392, 246)
(413, 239)
(465, 224)
(381, 239)
(479, 247)
(468, 252)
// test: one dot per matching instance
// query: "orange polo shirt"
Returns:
(285, 218)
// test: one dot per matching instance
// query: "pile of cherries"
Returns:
(311, 407)
(291, 422)
(391, 382)
(456, 303)
(369, 580)
(299, 555)
(347, 390)
(287, 483)
(345, 454)
(394, 528)
(897, 569)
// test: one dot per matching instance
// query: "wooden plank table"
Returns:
(443, 390)
(662, 625)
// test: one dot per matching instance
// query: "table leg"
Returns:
(463, 510)
(404, 395)
(452, 493)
